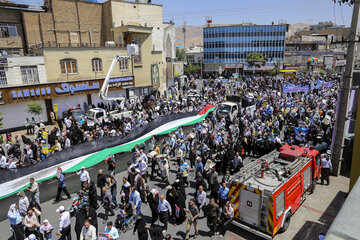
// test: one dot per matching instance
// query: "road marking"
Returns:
(234, 236)
(318, 211)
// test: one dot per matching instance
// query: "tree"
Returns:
(180, 54)
(190, 68)
(256, 59)
(277, 66)
(35, 108)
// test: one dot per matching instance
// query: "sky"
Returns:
(255, 11)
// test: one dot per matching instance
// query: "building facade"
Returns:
(70, 45)
(194, 55)
(226, 46)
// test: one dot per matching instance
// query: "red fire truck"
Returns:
(267, 192)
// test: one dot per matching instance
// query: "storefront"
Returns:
(14, 100)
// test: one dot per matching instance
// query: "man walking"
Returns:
(64, 224)
(226, 218)
(106, 202)
(164, 211)
(200, 198)
(34, 191)
(135, 197)
(88, 231)
(23, 203)
(223, 195)
(194, 210)
(84, 176)
(61, 187)
(213, 216)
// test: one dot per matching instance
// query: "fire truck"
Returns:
(267, 192)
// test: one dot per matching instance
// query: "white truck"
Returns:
(97, 115)
(232, 105)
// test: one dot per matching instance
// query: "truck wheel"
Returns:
(313, 186)
(286, 222)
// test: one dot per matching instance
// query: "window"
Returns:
(29, 74)
(137, 58)
(96, 65)
(68, 66)
(280, 204)
(3, 80)
(8, 30)
(124, 64)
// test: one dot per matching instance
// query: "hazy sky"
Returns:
(255, 11)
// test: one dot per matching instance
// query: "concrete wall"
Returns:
(11, 16)
(83, 56)
(132, 13)
(71, 22)
(13, 73)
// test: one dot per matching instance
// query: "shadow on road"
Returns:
(311, 230)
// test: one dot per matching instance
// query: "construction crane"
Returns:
(132, 49)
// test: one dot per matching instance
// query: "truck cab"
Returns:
(234, 104)
(96, 115)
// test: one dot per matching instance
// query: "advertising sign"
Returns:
(178, 69)
(155, 76)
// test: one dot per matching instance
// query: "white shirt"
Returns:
(3, 161)
(88, 233)
(64, 220)
(67, 143)
(84, 176)
(30, 153)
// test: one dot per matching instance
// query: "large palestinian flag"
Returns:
(90, 153)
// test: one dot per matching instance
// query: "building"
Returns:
(194, 55)
(325, 25)
(328, 45)
(77, 41)
(227, 47)
(136, 21)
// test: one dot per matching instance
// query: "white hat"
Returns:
(60, 209)
(46, 221)
(32, 237)
(82, 167)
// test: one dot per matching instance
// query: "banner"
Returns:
(321, 84)
(91, 153)
(155, 76)
(291, 88)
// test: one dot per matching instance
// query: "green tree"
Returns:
(256, 59)
(277, 66)
(35, 108)
(191, 68)
(322, 72)
(180, 54)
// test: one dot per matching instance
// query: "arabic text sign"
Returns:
(72, 88)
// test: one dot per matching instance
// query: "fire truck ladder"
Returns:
(254, 167)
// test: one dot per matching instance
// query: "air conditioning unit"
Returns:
(109, 44)
(132, 49)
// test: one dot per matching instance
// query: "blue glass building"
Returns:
(232, 44)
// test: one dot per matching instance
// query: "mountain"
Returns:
(194, 35)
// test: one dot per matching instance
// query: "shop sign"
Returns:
(124, 82)
(20, 94)
(72, 88)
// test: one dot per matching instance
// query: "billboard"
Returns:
(155, 76)
(178, 69)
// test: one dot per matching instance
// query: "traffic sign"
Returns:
(55, 108)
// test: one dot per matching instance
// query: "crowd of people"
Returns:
(196, 164)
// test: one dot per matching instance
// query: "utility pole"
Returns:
(342, 108)
(184, 29)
